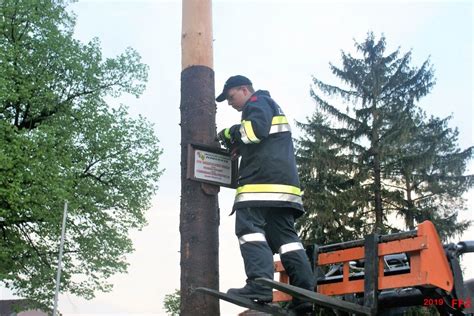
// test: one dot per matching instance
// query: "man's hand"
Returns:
(234, 151)
(224, 138)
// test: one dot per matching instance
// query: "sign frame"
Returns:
(190, 172)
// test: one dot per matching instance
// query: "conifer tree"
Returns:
(395, 160)
(333, 195)
(427, 175)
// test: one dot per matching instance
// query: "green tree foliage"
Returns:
(426, 175)
(59, 140)
(381, 154)
(333, 197)
(172, 303)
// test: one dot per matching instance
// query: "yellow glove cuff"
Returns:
(227, 133)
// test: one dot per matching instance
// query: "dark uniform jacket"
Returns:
(267, 173)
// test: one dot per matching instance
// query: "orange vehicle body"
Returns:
(428, 265)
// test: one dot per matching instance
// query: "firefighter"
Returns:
(268, 197)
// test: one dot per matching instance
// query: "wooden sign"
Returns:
(211, 165)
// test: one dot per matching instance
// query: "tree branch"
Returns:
(32, 244)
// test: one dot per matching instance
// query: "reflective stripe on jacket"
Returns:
(267, 173)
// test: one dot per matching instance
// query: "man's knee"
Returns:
(248, 221)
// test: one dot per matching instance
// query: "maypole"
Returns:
(199, 219)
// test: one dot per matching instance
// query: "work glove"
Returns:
(224, 138)
(234, 151)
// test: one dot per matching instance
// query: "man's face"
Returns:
(237, 97)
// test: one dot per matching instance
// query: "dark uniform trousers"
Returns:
(263, 231)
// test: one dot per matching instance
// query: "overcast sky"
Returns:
(279, 45)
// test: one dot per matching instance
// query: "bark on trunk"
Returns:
(377, 171)
(199, 219)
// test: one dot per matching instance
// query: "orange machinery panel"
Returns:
(428, 265)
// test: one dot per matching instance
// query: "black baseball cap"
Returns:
(232, 82)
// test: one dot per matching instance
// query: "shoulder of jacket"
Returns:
(253, 98)
(259, 99)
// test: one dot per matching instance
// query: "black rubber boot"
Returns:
(258, 262)
(298, 268)
(253, 291)
(301, 307)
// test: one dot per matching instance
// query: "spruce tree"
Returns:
(333, 195)
(377, 139)
(426, 175)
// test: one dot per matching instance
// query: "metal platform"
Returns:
(316, 298)
(261, 307)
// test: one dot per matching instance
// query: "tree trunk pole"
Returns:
(378, 229)
(199, 218)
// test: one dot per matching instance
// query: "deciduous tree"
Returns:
(60, 140)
